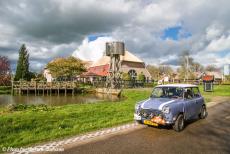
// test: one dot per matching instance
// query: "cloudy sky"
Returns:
(155, 30)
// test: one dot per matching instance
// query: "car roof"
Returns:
(177, 85)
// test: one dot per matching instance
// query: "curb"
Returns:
(59, 145)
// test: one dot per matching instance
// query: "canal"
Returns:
(55, 100)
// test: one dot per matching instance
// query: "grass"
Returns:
(5, 89)
(219, 90)
(26, 125)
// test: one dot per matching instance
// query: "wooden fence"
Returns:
(22, 87)
(48, 88)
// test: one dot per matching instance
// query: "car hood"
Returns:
(156, 103)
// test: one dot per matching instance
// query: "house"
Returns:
(47, 75)
(130, 64)
(217, 75)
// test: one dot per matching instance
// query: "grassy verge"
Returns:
(27, 125)
(19, 128)
(5, 89)
(219, 90)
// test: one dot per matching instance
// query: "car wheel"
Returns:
(179, 124)
(139, 121)
(203, 112)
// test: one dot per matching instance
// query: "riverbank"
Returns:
(28, 125)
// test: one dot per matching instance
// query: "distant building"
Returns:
(47, 75)
(227, 69)
(129, 64)
(218, 76)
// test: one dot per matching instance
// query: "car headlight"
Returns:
(166, 109)
(137, 106)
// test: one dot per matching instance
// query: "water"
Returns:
(55, 100)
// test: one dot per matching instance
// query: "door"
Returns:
(189, 103)
(198, 100)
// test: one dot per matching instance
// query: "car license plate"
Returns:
(137, 117)
(148, 122)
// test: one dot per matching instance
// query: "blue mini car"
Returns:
(171, 104)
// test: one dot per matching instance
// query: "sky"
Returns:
(157, 31)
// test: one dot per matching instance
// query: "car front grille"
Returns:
(149, 113)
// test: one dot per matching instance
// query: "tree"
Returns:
(165, 69)
(154, 71)
(157, 72)
(197, 67)
(126, 76)
(22, 71)
(40, 77)
(141, 77)
(211, 68)
(4, 71)
(186, 69)
(66, 68)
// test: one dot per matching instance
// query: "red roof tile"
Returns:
(208, 78)
(100, 70)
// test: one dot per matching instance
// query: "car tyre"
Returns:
(179, 124)
(139, 121)
(203, 112)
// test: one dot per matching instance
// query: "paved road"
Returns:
(211, 135)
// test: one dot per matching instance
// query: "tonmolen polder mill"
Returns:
(113, 82)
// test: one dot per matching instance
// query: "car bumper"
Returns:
(157, 120)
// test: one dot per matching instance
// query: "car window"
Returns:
(188, 94)
(167, 92)
(196, 92)
(158, 92)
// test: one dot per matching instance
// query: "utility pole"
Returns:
(187, 68)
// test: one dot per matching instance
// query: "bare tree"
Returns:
(4, 71)
(211, 68)
(186, 69)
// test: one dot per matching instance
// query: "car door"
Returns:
(189, 103)
(198, 100)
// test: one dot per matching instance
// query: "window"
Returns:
(133, 74)
(188, 93)
(167, 92)
(196, 92)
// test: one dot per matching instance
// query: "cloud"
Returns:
(57, 28)
(219, 44)
(212, 59)
(92, 50)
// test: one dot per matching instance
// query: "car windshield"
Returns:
(167, 92)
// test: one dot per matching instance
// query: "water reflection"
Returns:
(55, 100)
